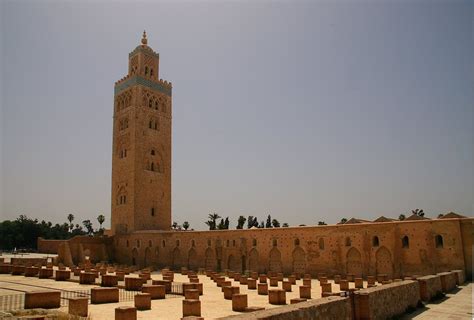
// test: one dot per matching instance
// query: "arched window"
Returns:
(151, 72)
(208, 242)
(233, 243)
(297, 242)
(152, 167)
(156, 105)
(152, 152)
(150, 124)
(193, 243)
(177, 243)
(163, 243)
(439, 241)
(254, 242)
(321, 244)
(128, 244)
(274, 242)
(375, 241)
(163, 107)
(348, 242)
(138, 243)
(146, 70)
(150, 244)
(152, 211)
(227, 243)
(405, 242)
(150, 103)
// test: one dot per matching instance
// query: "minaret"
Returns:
(141, 157)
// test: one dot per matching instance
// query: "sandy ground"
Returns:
(213, 304)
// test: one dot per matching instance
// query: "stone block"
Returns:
(262, 288)
(337, 278)
(243, 280)
(18, 270)
(292, 279)
(42, 299)
(45, 273)
(371, 280)
(448, 281)
(145, 276)
(359, 283)
(104, 295)
(223, 284)
(273, 282)
(125, 313)
(239, 302)
(155, 291)
(430, 287)
(251, 284)
(120, 275)
(78, 306)
(305, 292)
(142, 301)
(191, 308)
(5, 268)
(297, 300)
(165, 283)
(194, 280)
(277, 296)
(350, 277)
(254, 275)
(63, 275)
(279, 276)
(326, 287)
(133, 284)
(344, 285)
(230, 291)
(109, 280)
(307, 282)
(87, 278)
(286, 286)
(31, 271)
(323, 280)
(262, 278)
(191, 294)
(460, 276)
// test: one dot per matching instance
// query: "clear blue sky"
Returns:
(307, 110)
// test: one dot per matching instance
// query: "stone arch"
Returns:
(176, 258)
(134, 256)
(299, 260)
(354, 262)
(383, 261)
(147, 258)
(233, 263)
(192, 259)
(253, 260)
(275, 260)
(210, 260)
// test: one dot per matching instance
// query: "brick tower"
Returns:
(141, 156)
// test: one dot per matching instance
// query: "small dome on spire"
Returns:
(144, 39)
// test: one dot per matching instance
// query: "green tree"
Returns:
(211, 222)
(343, 220)
(241, 222)
(285, 225)
(101, 220)
(418, 212)
(268, 224)
(221, 225)
(226, 223)
(401, 217)
(249, 222)
(275, 223)
(186, 225)
(70, 218)
(88, 225)
(321, 223)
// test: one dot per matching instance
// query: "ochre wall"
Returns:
(48, 246)
(321, 249)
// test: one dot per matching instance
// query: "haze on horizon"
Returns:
(309, 110)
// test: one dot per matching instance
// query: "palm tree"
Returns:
(88, 225)
(101, 220)
(212, 220)
(70, 218)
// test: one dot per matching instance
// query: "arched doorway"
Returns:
(233, 263)
(210, 260)
(354, 262)
(176, 259)
(253, 260)
(299, 260)
(192, 259)
(383, 262)
(275, 260)
(134, 256)
(147, 260)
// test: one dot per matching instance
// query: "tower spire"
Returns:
(144, 39)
